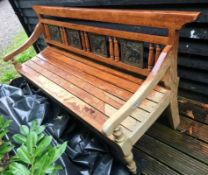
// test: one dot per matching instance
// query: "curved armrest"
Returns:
(33, 38)
(147, 86)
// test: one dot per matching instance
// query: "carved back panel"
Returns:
(121, 49)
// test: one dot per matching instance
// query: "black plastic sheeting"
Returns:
(86, 153)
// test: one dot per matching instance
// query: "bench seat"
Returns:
(90, 90)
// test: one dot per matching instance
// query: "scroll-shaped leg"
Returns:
(121, 140)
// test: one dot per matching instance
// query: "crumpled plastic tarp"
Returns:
(86, 153)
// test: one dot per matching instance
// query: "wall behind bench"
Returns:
(193, 50)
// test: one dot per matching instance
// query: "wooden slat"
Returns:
(151, 165)
(171, 157)
(130, 123)
(117, 81)
(112, 100)
(77, 106)
(60, 75)
(150, 119)
(162, 19)
(91, 79)
(194, 110)
(72, 89)
(97, 66)
(93, 56)
(78, 82)
(110, 32)
(105, 68)
(66, 60)
(93, 89)
(186, 144)
(194, 129)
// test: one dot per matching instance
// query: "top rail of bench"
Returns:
(152, 18)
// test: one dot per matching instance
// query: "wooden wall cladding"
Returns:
(193, 55)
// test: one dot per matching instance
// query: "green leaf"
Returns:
(59, 150)
(32, 139)
(53, 169)
(4, 124)
(6, 147)
(19, 169)
(20, 139)
(36, 127)
(42, 164)
(41, 136)
(23, 155)
(43, 145)
(24, 130)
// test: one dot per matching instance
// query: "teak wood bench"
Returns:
(102, 75)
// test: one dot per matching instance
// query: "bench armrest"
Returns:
(33, 38)
(147, 86)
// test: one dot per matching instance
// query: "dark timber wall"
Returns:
(193, 51)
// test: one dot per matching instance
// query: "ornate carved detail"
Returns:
(83, 40)
(120, 138)
(54, 33)
(98, 44)
(87, 44)
(116, 50)
(73, 37)
(111, 49)
(63, 35)
(158, 51)
(131, 164)
(151, 57)
(131, 52)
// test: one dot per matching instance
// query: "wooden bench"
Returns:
(117, 81)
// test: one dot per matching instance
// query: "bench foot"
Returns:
(173, 113)
(121, 139)
(131, 164)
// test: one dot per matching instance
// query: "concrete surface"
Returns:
(9, 24)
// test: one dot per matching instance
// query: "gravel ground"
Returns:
(9, 24)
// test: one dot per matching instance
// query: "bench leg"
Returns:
(120, 139)
(173, 111)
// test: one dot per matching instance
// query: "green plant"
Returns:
(7, 76)
(5, 146)
(35, 155)
(7, 71)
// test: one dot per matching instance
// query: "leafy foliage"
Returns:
(7, 71)
(5, 147)
(35, 155)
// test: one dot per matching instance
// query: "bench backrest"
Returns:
(118, 48)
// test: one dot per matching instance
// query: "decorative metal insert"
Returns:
(54, 33)
(98, 44)
(73, 37)
(132, 52)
